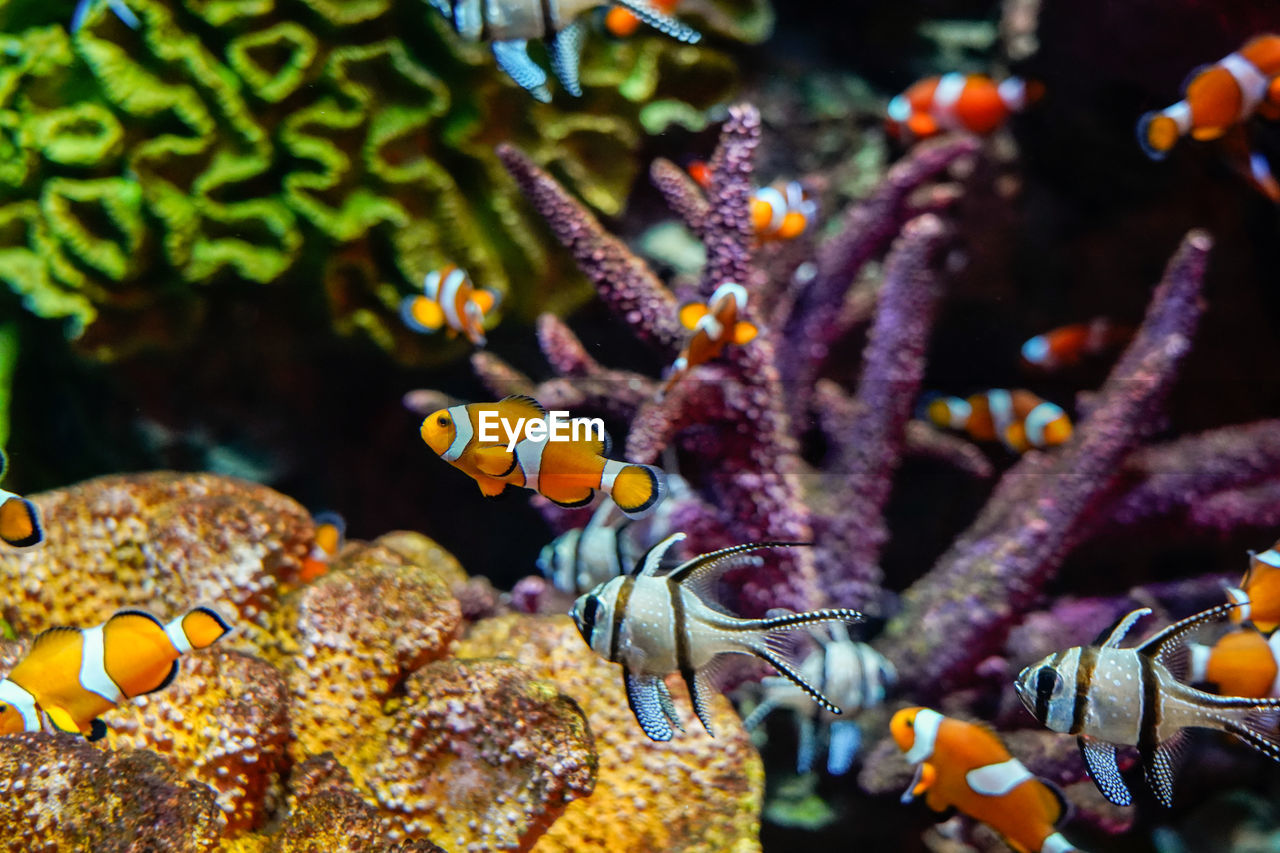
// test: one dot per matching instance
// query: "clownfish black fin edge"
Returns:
(215, 616)
(97, 730)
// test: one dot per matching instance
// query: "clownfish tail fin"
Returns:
(200, 628)
(636, 489)
(1157, 133)
(20, 524)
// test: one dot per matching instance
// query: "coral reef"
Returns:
(239, 142)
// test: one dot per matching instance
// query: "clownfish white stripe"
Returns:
(1036, 350)
(713, 328)
(1270, 556)
(899, 109)
(12, 693)
(950, 87)
(926, 734)
(996, 780)
(1039, 418)
(462, 432)
(1057, 844)
(431, 286)
(1252, 82)
(1181, 115)
(777, 206)
(1000, 402)
(529, 458)
(1199, 661)
(1239, 597)
(93, 668)
(1013, 91)
(449, 297)
(1274, 643)
(178, 636)
(731, 288)
(612, 468)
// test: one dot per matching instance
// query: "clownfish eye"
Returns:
(443, 420)
(911, 722)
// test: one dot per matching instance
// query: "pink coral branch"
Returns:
(683, 195)
(729, 235)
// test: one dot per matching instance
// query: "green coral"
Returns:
(343, 147)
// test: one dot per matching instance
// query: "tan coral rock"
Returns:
(695, 793)
(482, 757)
(224, 721)
(162, 542)
(348, 641)
(60, 793)
(477, 596)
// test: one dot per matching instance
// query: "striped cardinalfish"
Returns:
(450, 301)
(525, 453)
(1017, 419)
(655, 625)
(20, 524)
(1110, 696)
(965, 766)
(509, 24)
(712, 326)
(972, 102)
(1259, 592)
(585, 557)
(71, 676)
(852, 675)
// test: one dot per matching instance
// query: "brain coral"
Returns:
(695, 793)
(345, 147)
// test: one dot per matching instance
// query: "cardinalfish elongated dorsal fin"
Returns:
(661, 21)
(20, 524)
(1111, 637)
(636, 489)
(1164, 645)
(198, 629)
(652, 560)
(691, 313)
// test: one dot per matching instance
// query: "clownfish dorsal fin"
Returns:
(1112, 637)
(55, 637)
(1166, 647)
(531, 407)
(652, 558)
(691, 313)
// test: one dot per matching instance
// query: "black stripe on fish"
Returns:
(1149, 724)
(619, 615)
(548, 18)
(1084, 680)
(575, 566)
(1045, 679)
(680, 632)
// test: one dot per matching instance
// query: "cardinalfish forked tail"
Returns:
(973, 103)
(72, 676)
(713, 326)
(514, 442)
(509, 24)
(20, 524)
(965, 766)
(1258, 595)
(1017, 419)
(450, 301)
(1110, 696)
(655, 625)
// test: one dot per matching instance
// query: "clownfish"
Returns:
(72, 676)
(1068, 345)
(584, 557)
(1218, 97)
(624, 24)
(1110, 696)
(852, 675)
(450, 301)
(965, 766)
(331, 532)
(525, 453)
(714, 325)
(1258, 596)
(1240, 663)
(123, 12)
(781, 211)
(20, 524)
(655, 625)
(955, 101)
(1017, 419)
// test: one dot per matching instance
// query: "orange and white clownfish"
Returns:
(331, 532)
(72, 676)
(1069, 345)
(1259, 592)
(449, 300)
(972, 102)
(714, 325)
(623, 24)
(20, 524)
(782, 211)
(965, 766)
(1218, 97)
(1240, 663)
(1017, 419)
(566, 470)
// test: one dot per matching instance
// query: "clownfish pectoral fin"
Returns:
(97, 730)
(19, 521)
(61, 720)
(920, 782)
(421, 314)
(690, 314)
(494, 460)
(490, 487)
(744, 333)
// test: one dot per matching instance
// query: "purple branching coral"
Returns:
(737, 422)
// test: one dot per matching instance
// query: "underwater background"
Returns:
(215, 217)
